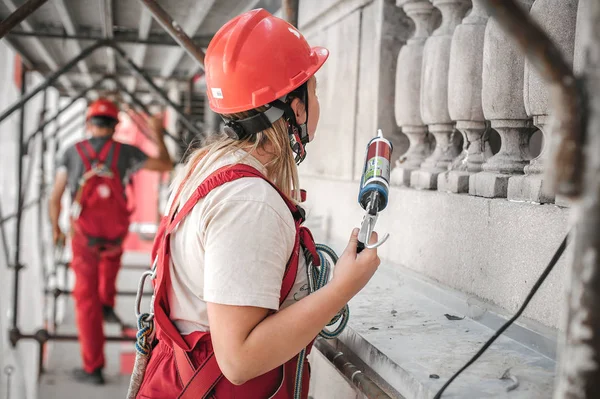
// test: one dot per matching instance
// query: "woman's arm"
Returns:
(248, 344)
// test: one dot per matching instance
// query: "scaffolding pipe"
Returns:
(175, 30)
(290, 8)
(78, 97)
(350, 371)
(19, 15)
(568, 103)
(52, 78)
(578, 375)
(17, 257)
(143, 75)
(143, 106)
(153, 40)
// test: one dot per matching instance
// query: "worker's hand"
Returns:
(58, 236)
(353, 271)
(156, 124)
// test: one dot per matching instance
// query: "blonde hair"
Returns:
(281, 170)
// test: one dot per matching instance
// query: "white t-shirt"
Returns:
(232, 249)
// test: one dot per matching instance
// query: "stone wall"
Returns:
(459, 84)
(356, 85)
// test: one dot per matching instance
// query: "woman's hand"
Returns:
(353, 271)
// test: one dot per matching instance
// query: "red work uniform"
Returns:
(97, 260)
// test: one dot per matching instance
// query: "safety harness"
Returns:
(99, 209)
(202, 381)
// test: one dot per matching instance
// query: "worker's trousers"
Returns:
(96, 268)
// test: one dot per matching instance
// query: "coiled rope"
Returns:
(318, 277)
(143, 347)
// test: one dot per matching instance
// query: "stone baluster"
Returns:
(408, 90)
(557, 18)
(464, 100)
(503, 106)
(434, 95)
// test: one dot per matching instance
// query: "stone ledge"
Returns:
(404, 337)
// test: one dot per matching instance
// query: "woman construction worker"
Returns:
(231, 308)
(96, 171)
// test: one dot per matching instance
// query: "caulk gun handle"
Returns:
(359, 247)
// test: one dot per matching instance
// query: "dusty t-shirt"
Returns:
(232, 249)
(131, 159)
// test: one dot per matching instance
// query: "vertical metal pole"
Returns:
(579, 369)
(143, 75)
(17, 258)
(290, 9)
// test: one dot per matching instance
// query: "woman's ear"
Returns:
(299, 111)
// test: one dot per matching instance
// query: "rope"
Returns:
(143, 347)
(318, 277)
(143, 343)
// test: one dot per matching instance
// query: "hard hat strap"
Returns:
(241, 129)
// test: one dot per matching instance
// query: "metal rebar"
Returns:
(5, 247)
(143, 106)
(58, 113)
(17, 257)
(58, 292)
(341, 362)
(153, 39)
(68, 337)
(175, 30)
(568, 102)
(290, 8)
(42, 192)
(51, 79)
(19, 15)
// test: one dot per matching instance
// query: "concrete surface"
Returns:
(406, 338)
(63, 357)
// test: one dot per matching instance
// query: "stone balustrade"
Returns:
(464, 100)
(434, 95)
(557, 18)
(475, 81)
(408, 90)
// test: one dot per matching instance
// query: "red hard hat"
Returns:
(103, 107)
(255, 59)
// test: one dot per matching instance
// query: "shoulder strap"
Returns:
(103, 154)
(90, 150)
(79, 147)
(115, 156)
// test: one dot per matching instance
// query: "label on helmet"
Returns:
(217, 92)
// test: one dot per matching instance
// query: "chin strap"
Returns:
(241, 129)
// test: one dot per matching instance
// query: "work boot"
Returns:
(94, 378)
(109, 315)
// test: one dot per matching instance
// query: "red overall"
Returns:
(96, 241)
(186, 367)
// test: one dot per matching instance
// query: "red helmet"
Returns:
(255, 59)
(103, 107)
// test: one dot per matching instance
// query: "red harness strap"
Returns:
(199, 382)
(85, 147)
